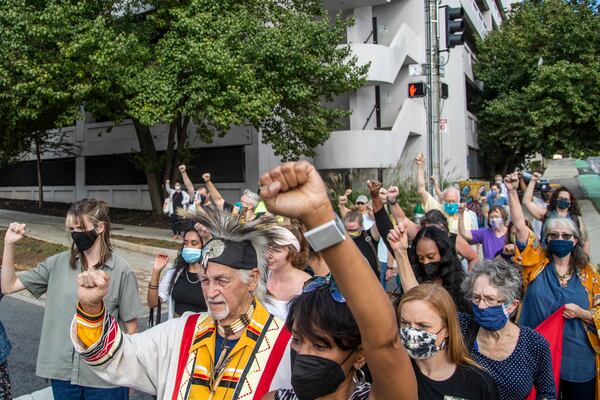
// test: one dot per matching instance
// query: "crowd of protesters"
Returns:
(278, 297)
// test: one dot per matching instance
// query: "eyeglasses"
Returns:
(488, 301)
(559, 235)
(319, 282)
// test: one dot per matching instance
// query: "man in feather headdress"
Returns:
(236, 350)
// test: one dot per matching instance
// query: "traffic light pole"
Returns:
(433, 92)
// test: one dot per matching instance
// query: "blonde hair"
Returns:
(97, 213)
(440, 300)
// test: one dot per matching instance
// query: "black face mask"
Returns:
(84, 240)
(314, 377)
(202, 199)
(432, 270)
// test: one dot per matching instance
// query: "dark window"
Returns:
(58, 172)
(225, 164)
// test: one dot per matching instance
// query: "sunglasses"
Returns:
(360, 203)
(319, 282)
(558, 235)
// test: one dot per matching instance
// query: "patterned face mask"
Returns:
(420, 344)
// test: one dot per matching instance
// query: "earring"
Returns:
(359, 377)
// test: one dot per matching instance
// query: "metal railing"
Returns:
(369, 117)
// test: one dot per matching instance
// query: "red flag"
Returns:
(552, 330)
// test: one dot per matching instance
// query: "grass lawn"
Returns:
(29, 252)
(164, 244)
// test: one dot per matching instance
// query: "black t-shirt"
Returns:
(468, 383)
(187, 295)
(368, 247)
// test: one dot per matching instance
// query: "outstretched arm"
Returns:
(187, 182)
(462, 231)
(436, 187)
(215, 195)
(518, 218)
(9, 281)
(398, 238)
(296, 190)
(421, 189)
(536, 211)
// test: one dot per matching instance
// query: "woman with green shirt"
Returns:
(89, 227)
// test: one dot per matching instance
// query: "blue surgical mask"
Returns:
(563, 204)
(560, 247)
(191, 255)
(492, 318)
(493, 193)
(451, 208)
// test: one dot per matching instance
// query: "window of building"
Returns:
(58, 172)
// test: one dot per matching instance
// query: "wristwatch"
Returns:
(326, 235)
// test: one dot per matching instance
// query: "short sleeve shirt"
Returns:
(433, 204)
(54, 276)
(491, 243)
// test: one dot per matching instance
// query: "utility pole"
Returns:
(433, 90)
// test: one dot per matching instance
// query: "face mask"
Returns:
(355, 234)
(492, 318)
(493, 193)
(469, 200)
(177, 188)
(191, 255)
(84, 240)
(563, 204)
(202, 199)
(451, 208)
(420, 344)
(560, 248)
(496, 222)
(432, 270)
(314, 377)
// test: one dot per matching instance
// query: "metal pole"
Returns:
(429, 103)
(435, 90)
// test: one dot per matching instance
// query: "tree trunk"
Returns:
(151, 169)
(182, 133)
(38, 156)
(169, 165)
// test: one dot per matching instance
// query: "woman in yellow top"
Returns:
(555, 274)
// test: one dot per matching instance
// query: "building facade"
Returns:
(384, 133)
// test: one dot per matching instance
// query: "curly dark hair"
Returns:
(573, 209)
(451, 270)
(435, 218)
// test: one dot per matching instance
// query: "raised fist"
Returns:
(343, 200)
(398, 238)
(93, 286)
(206, 177)
(374, 187)
(420, 159)
(348, 192)
(14, 233)
(296, 190)
(182, 168)
(393, 192)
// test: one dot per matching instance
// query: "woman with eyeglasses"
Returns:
(333, 338)
(557, 273)
(430, 331)
(517, 357)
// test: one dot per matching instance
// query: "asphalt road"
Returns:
(23, 323)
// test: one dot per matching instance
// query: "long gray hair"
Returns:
(578, 258)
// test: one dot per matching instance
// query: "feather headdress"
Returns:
(245, 246)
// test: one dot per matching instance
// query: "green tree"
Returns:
(541, 76)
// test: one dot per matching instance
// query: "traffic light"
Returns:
(455, 26)
(416, 89)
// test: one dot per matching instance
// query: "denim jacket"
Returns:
(4, 343)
